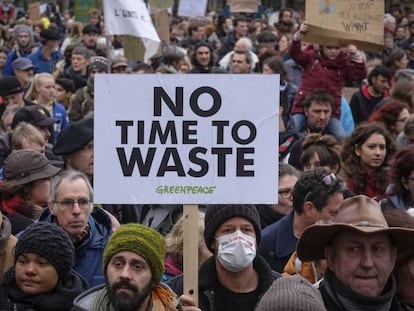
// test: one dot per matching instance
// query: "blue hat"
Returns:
(22, 63)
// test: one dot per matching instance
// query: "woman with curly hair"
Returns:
(393, 115)
(400, 193)
(365, 156)
(321, 151)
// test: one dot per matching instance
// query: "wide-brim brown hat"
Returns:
(359, 214)
(25, 165)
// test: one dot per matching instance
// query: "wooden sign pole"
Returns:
(191, 251)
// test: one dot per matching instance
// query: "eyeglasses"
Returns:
(285, 193)
(328, 181)
(83, 203)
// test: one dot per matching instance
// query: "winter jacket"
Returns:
(278, 242)
(321, 72)
(97, 296)
(207, 281)
(59, 299)
(88, 255)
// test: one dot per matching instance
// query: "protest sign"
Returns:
(186, 139)
(359, 22)
(162, 25)
(243, 6)
(81, 9)
(192, 8)
(33, 11)
(131, 17)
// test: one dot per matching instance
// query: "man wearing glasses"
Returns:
(70, 206)
(316, 196)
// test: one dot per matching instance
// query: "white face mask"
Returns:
(236, 251)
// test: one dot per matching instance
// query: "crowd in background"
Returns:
(344, 217)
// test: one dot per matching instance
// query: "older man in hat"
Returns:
(133, 263)
(23, 70)
(361, 251)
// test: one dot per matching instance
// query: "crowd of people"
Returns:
(339, 237)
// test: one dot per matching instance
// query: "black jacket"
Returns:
(207, 280)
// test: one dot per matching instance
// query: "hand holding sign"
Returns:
(352, 21)
(304, 28)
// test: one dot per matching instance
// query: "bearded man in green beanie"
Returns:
(133, 263)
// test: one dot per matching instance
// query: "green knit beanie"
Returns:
(142, 240)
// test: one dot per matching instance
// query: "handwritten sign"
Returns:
(192, 8)
(186, 139)
(243, 6)
(359, 22)
(34, 11)
(162, 25)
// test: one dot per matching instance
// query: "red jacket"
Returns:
(321, 72)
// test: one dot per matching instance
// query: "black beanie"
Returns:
(217, 214)
(49, 241)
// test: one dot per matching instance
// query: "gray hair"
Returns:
(249, 58)
(246, 42)
(70, 175)
(389, 18)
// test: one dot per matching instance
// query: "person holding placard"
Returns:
(325, 67)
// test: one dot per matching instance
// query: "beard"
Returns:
(125, 302)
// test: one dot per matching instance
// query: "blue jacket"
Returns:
(42, 64)
(278, 243)
(89, 255)
(59, 112)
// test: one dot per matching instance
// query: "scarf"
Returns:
(79, 238)
(60, 299)
(16, 205)
(162, 299)
(338, 296)
(77, 77)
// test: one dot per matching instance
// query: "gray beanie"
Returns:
(291, 293)
(24, 28)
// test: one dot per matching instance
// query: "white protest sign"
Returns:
(186, 139)
(192, 8)
(131, 17)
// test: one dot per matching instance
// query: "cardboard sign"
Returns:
(162, 25)
(186, 139)
(34, 11)
(192, 8)
(346, 22)
(243, 6)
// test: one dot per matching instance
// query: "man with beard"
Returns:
(133, 264)
(285, 25)
(363, 102)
